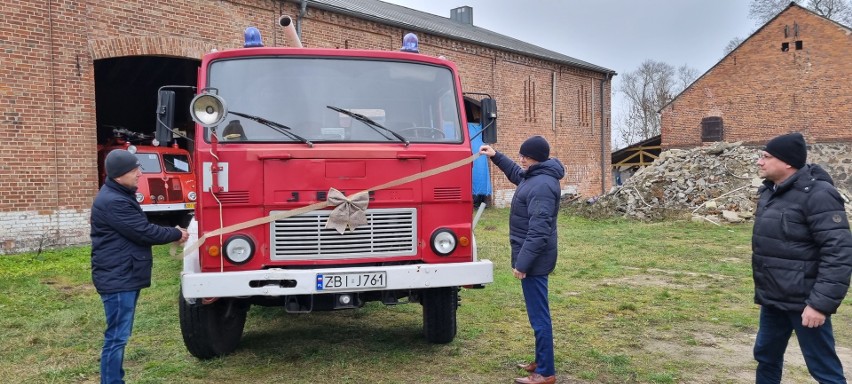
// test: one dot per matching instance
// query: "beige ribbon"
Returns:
(323, 204)
(348, 212)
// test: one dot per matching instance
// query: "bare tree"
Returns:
(686, 75)
(840, 11)
(646, 90)
(762, 11)
(733, 44)
(837, 10)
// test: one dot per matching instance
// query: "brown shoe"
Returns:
(535, 378)
(528, 367)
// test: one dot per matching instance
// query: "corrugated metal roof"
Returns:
(418, 21)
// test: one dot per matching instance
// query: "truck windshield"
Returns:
(416, 101)
(176, 163)
(150, 162)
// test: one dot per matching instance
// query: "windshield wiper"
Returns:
(370, 123)
(277, 127)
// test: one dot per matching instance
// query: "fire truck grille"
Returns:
(388, 233)
(169, 189)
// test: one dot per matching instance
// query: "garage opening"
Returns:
(126, 93)
(126, 110)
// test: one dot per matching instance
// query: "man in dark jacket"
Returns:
(121, 255)
(801, 261)
(532, 234)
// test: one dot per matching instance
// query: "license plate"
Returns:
(190, 205)
(337, 281)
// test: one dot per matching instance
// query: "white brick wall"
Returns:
(503, 198)
(29, 230)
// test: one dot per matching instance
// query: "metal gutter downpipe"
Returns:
(303, 9)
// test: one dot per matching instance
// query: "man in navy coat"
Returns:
(532, 235)
(121, 255)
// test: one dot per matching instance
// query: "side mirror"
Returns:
(165, 116)
(489, 120)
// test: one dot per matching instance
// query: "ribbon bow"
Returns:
(348, 212)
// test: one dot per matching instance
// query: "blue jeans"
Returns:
(538, 311)
(817, 346)
(119, 309)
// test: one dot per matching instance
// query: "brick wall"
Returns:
(47, 127)
(523, 88)
(48, 170)
(761, 91)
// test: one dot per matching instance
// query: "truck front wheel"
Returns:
(439, 314)
(212, 330)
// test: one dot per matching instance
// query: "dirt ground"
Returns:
(728, 359)
(734, 354)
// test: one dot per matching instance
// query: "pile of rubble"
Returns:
(716, 183)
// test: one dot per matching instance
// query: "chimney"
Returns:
(462, 15)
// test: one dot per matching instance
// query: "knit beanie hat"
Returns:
(536, 148)
(789, 148)
(119, 162)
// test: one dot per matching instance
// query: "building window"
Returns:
(583, 106)
(712, 129)
(529, 100)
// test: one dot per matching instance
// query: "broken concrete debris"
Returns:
(716, 184)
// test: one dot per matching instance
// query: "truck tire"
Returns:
(439, 314)
(184, 219)
(212, 330)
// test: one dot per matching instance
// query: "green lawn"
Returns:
(631, 303)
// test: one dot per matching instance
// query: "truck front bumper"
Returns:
(283, 282)
(168, 207)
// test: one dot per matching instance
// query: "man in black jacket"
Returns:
(801, 261)
(121, 255)
(532, 235)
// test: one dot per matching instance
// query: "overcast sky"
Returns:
(615, 34)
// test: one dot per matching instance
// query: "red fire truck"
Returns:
(280, 129)
(166, 189)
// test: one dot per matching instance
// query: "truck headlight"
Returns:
(139, 197)
(443, 242)
(239, 249)
(191, 196)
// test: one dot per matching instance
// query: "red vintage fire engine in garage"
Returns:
(167, 187)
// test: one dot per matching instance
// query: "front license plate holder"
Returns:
(348, 281)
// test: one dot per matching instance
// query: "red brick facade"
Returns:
(760, 90)
(48, 170)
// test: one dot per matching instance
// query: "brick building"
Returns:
(792, 74)
(72, 69)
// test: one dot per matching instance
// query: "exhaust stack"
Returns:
(290, 31)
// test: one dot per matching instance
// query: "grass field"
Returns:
(631, 303)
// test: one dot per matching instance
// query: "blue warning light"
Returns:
(253, 38)
(410, 43)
